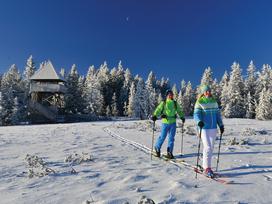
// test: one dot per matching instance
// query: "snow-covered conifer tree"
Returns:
(189, 99)
(250, 90)
(263, 110)
(250, 81)
(151, 92)
(224, 91)
(11, 87)
(160, 99)
(207, 79)
(216, 92)
(82, 92)
(131, 101)
(94, 97)
(125, 109)
(28, 72)
(74, 100)
(108, 111)
(115, 85)
(103, 76)
(164, 86)
(119, 87)
(235, 103)
(151, 81)
(181, 93)
(152, 103)
(29, 69)
(250, 106)
(224, 80)
(141, 106)
(183, 86)
(63, 73)
(175, 92)
(180, 99)
(114, 108)
(15, 113)
(124, 95)
(264, 79)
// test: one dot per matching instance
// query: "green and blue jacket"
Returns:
(169, 108)
(206, 110)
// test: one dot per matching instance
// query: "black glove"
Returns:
(163, 116)
(154, 118)
(201, 124)
(222, 129)
(182, 119)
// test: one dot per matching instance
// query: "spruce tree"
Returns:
(125, 109)
(175, 92)
(189, 99)
(160, 99)
(29, 69)
(183, 86)
(15, 113)
(250, 106)
(131, 101)
(164, 86)
(124, 95)
(82, 93)
(141, 106)
(74, 102)
(250, 90)
(180, 99)
(151, 92)
(28, 72)
(263, 110)
(114, 108)
(216, 92)
(103, 76)
(264, 80)
(224, 92)
(11, 87)
(235, 103)
(251, 79)
(108, 111)
(94, 98)
(63, 73)
(181, 93)
(119, 88)
(207, 79)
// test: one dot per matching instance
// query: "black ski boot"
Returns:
(169, 154)
(157, 152)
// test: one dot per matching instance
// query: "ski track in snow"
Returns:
(122, 171)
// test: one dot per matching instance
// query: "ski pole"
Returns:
(198, 151)
(219, 150)
(181, 145)
(153, 129)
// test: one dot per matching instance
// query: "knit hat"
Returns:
(205, 88)
(168, 91)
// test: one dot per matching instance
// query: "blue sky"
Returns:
(174, 38)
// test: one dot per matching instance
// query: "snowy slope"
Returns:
(120, 173)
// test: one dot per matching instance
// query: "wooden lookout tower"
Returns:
(47, 90)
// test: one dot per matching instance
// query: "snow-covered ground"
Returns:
(82, 162)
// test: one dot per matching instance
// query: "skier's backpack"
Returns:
(164, 103)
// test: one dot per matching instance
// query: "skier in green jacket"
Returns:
(168, 111)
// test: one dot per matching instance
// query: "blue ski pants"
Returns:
(167, 128)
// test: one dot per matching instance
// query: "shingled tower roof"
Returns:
(46, 72)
